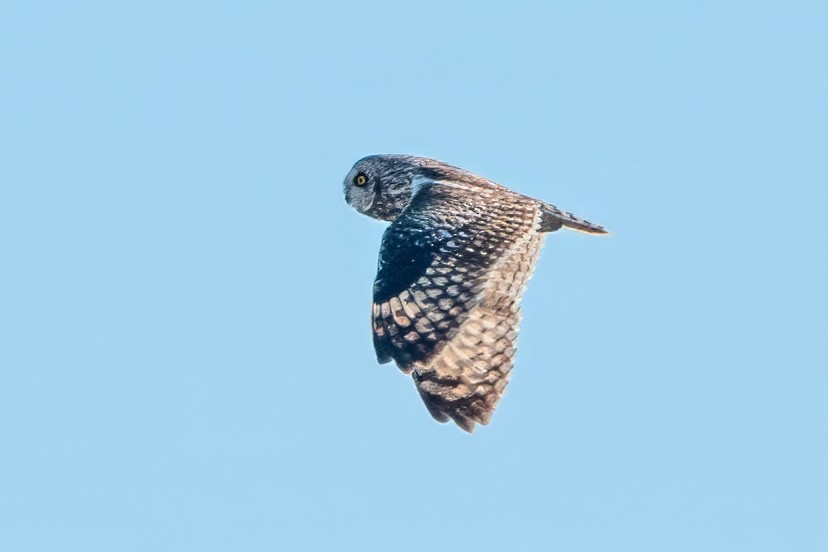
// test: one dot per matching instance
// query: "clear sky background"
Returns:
(185, 354)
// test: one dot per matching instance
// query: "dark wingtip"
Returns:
(593, 229)
(464, 423)
(553, 219)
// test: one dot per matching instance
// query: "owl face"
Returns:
(380, 185)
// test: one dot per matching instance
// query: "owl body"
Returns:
(453, 266)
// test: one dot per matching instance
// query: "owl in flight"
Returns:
(453, 265)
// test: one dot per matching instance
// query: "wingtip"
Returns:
(553, 219)
(464, 423)
(592, 230)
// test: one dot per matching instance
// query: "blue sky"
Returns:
(185, 352)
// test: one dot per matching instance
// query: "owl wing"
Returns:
(451, 272)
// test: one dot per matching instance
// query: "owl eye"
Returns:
(360, 179)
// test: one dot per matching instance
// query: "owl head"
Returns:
(380, 186)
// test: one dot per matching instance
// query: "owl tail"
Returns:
(553, 219)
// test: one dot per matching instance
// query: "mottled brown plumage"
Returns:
(453, 266)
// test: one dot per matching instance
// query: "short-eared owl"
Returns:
(453, 265)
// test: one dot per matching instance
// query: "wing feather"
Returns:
(451, 272)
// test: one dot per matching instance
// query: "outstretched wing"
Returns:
(451, 272)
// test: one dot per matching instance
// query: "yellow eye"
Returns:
(360, 180)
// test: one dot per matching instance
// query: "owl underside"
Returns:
(460, 357)
(467, 377)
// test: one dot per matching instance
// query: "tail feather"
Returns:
(553, 219)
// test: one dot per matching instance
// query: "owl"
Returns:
(453, 266)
